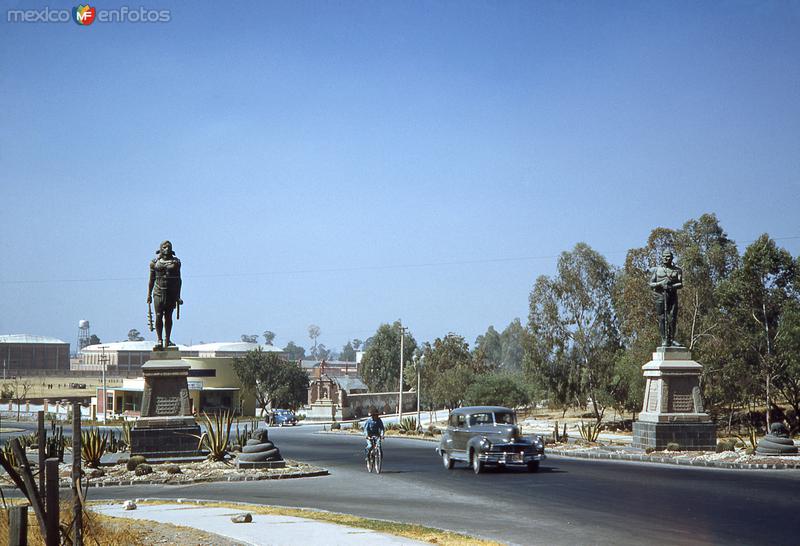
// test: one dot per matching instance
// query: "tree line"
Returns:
(592, 325)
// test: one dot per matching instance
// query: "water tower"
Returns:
(83, 334)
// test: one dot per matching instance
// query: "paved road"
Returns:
(570, 501)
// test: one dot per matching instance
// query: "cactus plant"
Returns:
(135, 461)
(589, 431)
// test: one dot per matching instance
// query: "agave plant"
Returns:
(215, 438)
(589, 431)
(8, 453)
(93, 446)
(408, 424)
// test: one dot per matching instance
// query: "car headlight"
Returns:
(485, 443)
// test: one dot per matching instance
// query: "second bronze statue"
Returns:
(164, 291)
(665, 281)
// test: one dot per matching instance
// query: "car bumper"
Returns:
(510, 458)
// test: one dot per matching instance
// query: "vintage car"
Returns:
(283, 417)
(488, 435)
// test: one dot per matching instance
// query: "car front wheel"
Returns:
(477, 464)
(447, 461)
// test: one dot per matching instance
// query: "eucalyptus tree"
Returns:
(759, 301)
(573, 332)
(380, 364)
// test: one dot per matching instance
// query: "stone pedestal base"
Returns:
(166, 427)
(689, 436)
(673, 407)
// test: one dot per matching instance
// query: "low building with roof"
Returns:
(26, 354)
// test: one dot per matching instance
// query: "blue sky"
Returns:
(352, 163)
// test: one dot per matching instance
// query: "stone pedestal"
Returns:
(673, 406)
(166, 427)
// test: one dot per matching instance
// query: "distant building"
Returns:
(22, 353)
(213, 383)
(127, 357)
(122, 357)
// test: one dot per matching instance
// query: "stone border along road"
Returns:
(685, 460)
(66, 484)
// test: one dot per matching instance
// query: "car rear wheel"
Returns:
(533, 466)
(447, 461)
(477, 464)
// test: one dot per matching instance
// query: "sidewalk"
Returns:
(262, 531)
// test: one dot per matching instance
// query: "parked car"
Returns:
(488, 435)
(283, 417)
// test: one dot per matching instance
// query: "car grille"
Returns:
(509, 449)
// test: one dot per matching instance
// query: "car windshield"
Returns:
(504, 418)
(480, 419)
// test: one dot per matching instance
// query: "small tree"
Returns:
(497, 389)
(134, 335)
(272, 379)
(17, 390)
(250, 338)
(380, 366)
(348, 353)
(313, 334)
(294, 352)
(269, 337)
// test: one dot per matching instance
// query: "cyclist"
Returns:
(373, 428)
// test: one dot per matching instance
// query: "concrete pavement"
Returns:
(264, 530)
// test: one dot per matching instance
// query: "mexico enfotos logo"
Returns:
(85, 15)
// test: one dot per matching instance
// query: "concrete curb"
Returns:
(65, 484)
(684, 461)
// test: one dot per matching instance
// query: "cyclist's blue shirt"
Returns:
(373, 427)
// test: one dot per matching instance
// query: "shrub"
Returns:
(173, 469)
(336, 426)
(135, 461)
(649, 450)
(726, 445)
(144, 469)
(673, 446)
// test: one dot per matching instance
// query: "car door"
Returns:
(460, 435)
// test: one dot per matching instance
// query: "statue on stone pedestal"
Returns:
(665, 281)
(164, 290)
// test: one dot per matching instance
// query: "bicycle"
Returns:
(375, 455)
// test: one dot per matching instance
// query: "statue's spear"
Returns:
(178, 309)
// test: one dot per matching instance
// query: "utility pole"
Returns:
(400, 402)
(103, 360)
(419, 375)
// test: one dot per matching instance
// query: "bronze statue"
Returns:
(665, 281)
(164, 290)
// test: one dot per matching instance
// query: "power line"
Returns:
(352, 269)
